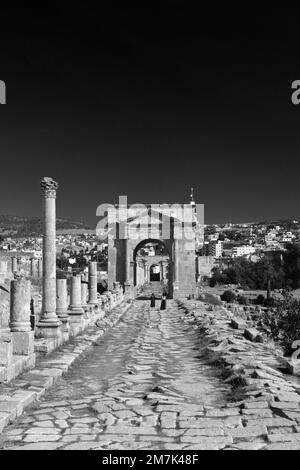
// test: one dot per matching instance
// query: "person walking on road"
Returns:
(152, 303)
(163, 304)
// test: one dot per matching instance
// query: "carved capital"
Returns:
(49, 187)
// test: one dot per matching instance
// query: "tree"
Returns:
(291, 265)
(284, 322)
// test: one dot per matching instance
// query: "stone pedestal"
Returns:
(75, 300)
(23, 343)
(93, 300)
(48, 326)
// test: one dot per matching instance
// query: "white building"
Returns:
(216, 249)
(245, 250)
(288, 237)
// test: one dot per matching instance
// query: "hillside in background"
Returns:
(16, 226)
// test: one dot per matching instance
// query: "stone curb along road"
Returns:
(30, 386)
(269, 400)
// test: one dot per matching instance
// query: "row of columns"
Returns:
(36, 267)
(82, 295)
(55, 308)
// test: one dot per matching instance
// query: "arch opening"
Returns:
(152, 268)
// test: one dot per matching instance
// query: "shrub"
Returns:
(228, 296)
(284, 321)
(260, 300)
(242, 300)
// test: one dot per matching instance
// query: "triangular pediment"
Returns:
(150, 216)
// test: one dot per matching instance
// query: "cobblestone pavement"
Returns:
(142, 386)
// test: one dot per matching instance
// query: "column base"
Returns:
(64, 318)
(127, 286)
(75, 310)
(48, 329)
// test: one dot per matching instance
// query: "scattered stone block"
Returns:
(238, 323)
(253, 335)
(293, 367)
(6, 350)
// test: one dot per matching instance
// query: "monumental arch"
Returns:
(154, 243)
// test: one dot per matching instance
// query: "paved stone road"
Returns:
(143, 386)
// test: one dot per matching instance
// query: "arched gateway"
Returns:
(153, 246)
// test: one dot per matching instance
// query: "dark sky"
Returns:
(149, 102)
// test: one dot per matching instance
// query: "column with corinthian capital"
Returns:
(49, 323)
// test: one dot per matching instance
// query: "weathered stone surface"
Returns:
(271, 422)
(247, 432)
(283, 446)
(162, 364)
(288, 437)
(238, 323)
(168, 420)
(288, 397)
(253, 335)
(257, 412)
(208, 442)
(225, 412)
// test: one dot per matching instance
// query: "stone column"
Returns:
(93, 283)
(14, 264)
(23, 336)
(84, 295)
(127, 282)
(34, 267)
(75, 300)
(62, 300)
(176, 261)
(3, 270)
(49, 322)
(162, 271)
(40, 267)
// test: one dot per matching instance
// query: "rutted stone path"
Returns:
(142, 386)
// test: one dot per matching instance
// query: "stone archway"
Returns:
(178, 271)
(152, 265)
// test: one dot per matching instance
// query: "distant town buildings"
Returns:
(225, 243)
(244, 250)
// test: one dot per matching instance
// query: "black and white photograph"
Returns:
(149, 229)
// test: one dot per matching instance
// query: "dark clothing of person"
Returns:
(152, 301)
(163, 304)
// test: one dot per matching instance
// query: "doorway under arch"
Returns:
(152, 263)
(155, 274)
